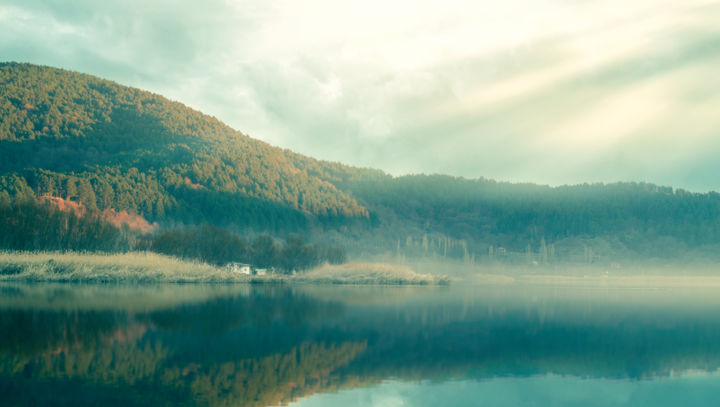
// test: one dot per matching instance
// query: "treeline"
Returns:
(443, 216)
(31, 226)
(219, 246)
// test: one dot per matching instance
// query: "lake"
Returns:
(240, 345)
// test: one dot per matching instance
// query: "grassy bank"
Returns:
(369, 273)
(135, 267)
(143, 267)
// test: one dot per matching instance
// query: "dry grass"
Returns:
(146, 267)
(128, 267)
(368, 273)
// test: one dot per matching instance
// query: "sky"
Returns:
(694, 389)
(547, 91)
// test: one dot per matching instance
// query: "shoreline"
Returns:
(148, 267)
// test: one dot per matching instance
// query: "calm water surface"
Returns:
(83, 345)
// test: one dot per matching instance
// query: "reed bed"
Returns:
(369, 273)
(135, 267)
(147, 267)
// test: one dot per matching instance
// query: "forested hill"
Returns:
(443, 216)
(107, 146)
(77, 136)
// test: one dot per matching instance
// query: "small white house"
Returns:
(260, 272)
(239, 268)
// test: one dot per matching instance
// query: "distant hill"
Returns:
(439, 216)
(112, 148)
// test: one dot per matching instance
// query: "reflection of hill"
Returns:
(127, 363)
(135, 370)
(492, 349)
(270, 345)
(611, 334)
(270, 380)
(363, 295)
(260, 307)
(163, 357)
(31, 332)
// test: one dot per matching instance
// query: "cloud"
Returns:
(550, 91)
(522, 391)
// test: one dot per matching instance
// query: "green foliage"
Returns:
(455, 217)
(69, 134)
(206, 243)
(108, 146)
(218, 246)
(30, 226)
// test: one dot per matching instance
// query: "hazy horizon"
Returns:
(551, 92)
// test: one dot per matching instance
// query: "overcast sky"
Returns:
(547, 91)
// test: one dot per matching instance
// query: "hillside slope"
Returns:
(110, 147)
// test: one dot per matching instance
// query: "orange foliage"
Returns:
(133, 221)
(191, 185)
(65, 205)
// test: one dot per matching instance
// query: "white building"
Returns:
(239, 268)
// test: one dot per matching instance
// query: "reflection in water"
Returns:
(547, 390)
(259, 346)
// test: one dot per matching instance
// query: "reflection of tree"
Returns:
(127, 363)
(261, 308)
(428, 343)
(127, 359)
(143, 366)
(274, 344)
(29, 332)
(265, 381)
(117, 370)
